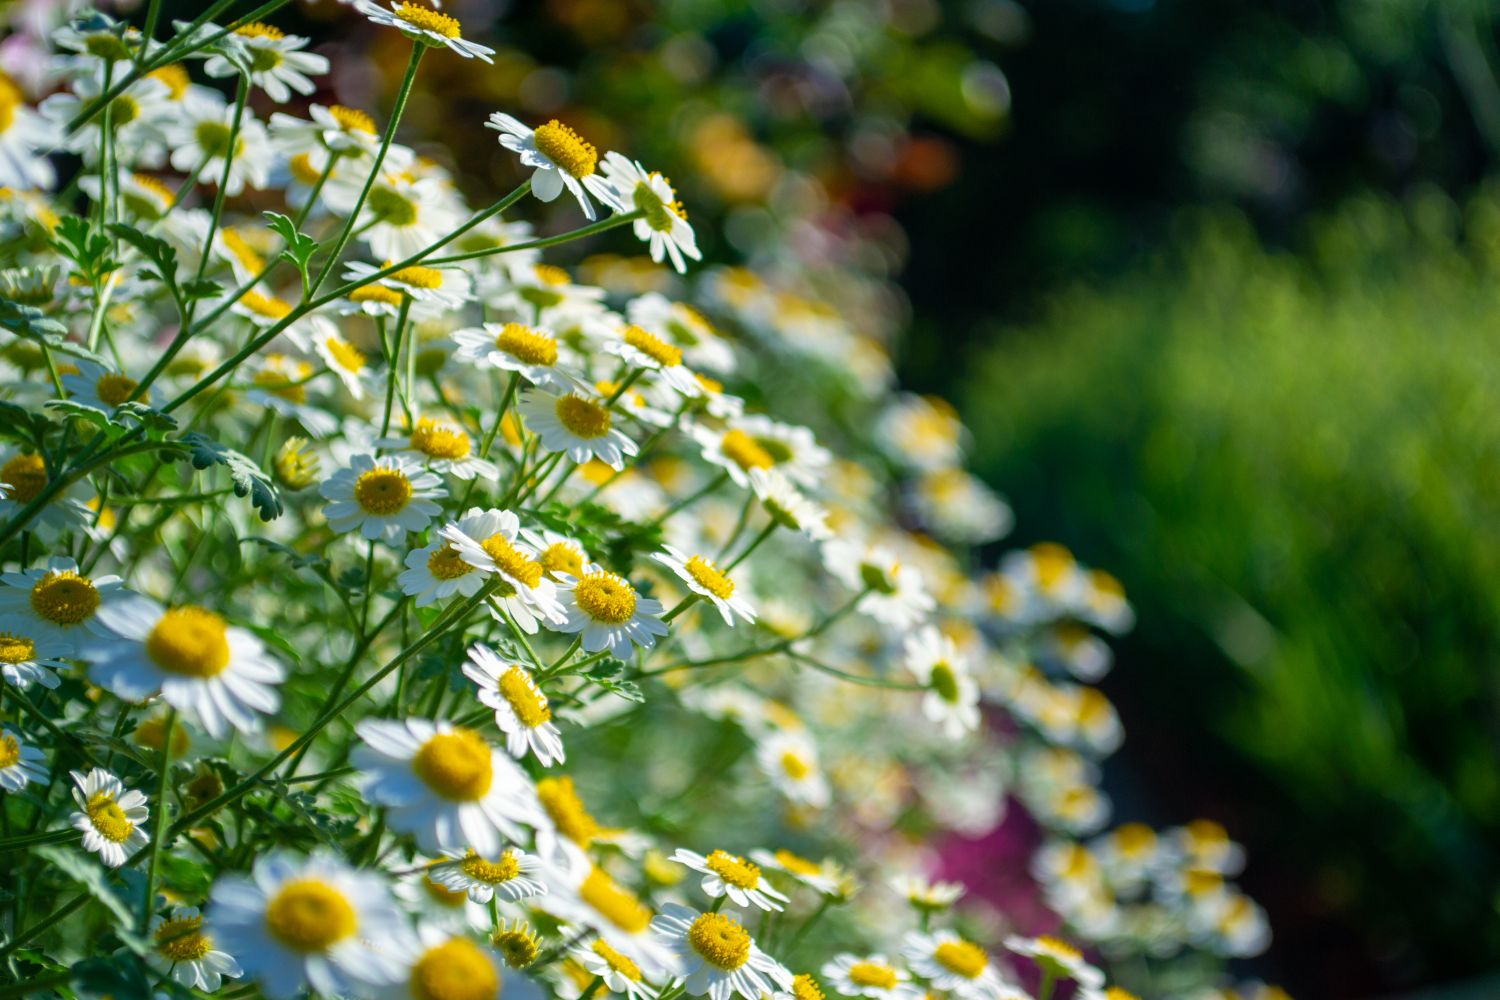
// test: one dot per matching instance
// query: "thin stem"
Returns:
(163, 776)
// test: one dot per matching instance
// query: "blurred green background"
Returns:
(1214, 284)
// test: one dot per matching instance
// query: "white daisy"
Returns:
(1057, 959)
(794, 449)
(487, 540)
(25, 138)
(894, 593)
(383, 497)
(608, 612)
(949, 962)
(432, 290)
(56, 606)
(732, 450)
(180, 946)
(787, 505)
(442, 444)
(275, 60)
(514, 347)
(621, 974)
(98, 387)
(952, 698)
(217, 674)
(585, 895)
(576, 424)
(719, 957)
(560, 158)
(683, 325)
(421, 23)
(450, 966)
(521, 709)
(24, 659)
(870, 976)
(20, 763)
(826, 877)
(512, 875)
(200, 141)
(557, 553)
(406, 211)
(927, 895)
(790, 759)
(437, 571)
(338, 129)
(280, 382)
(111, 817)
(642, 349)
(731, 875)
(663, 223)
(445, 785)
(707, 580)
(310, 923)
(23, 477)
(345, 360)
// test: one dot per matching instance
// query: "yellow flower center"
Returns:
(426, 19)
(243, 252)
(455, 970)
(566, 810)
(653, 347)
(741, 449)
(519, 946)
(152, 733)
(352, 119)
(308, 916)
(26, 475)
(10, 751)
(106, 816)
(440, 439)
(268, 306)
(382, 492)
(614, 902)
(416, 277)
(616, 961)
(529, 704)
(582, 417)
(456, 765)
(734, 869)
(490, 872)
(16, 648)
(605, 597)
(1056, 948)
(345, 354)
(551, 274)
(527, 345)
(392, 207)
(804, 987)
(720, 940)
(962, 957)
(256, 29)
(708, 576)
(796, 863)
(446, 564)
(873, 974)
(795, 765)
(213, 138)
(560, 557)
(183, 940)
(1116, 993)
(512, 561)
(62, 597)
(566, 148)
(189, 641)
(175, 78)
(114, 389)
(376, 293)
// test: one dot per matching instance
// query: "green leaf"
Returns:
(299, 246)
(33, 324)
(247, 477)
(201, 288)
(298, 559)
(80, 868)
(158, 252)
(121, 976)
(76, 240)
(149, 418)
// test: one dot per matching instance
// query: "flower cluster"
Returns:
(359, 559)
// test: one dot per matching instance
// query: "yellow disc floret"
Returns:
(456, 765)
(182, 939)
(16, 648)
(309, 915)
(189, 641)
(26, 475)
(455, 970)
(512, 561)
(352, 119)
(566, 148)
(733, 869)
(10, 751)
(616, 961)
(962, 957)
(114, 389)
(742, 449)
(424, 18)
(106, 816)
(62, 597)
(804, 987)
(720, 940)
(437, 438)
(490, 872)
(582, 418)
(566, 810)
(446, 564)
(614, 902)
(653, 347)
(527, 345)
(382, 492)
(874, 974)
(416, 276)
(605, 597)
(529, 704)
(708, 576)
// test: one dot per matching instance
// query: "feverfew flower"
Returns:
(708, 581)
(731, 875)
(24, 660)
(101, 388)
(20, 763)
(383, 497)
(580, 426)
(515, 347)
(454, 967)
(787, 505)
(219, 675)
(663, 223)
(643, 349)
(719, 958)
(423, 24)
(871, 976)
(488, 541)
(512, 875)
(949, 962)
(522, 712)
(275, 60)
(952, 698)
(790, 759)
(179, 945)
(310, 923)
(111, 817)
(201, 140)
(893, 593)
(609, 614)
(560, 158)
(442, 445)
(1057, 959)
(56, 607)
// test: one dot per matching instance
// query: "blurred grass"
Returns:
(1293, 461)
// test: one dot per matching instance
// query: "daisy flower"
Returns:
(1057, 959)
(487, 540)
(560, 158)
(685, 326)
(731, 875)
(55, 606)
(719, 957)
(826, 877)
(557, 553)
(609, 614)
(338, 129)
(621, 974)
(513, 875)
(794, 450)
(25, 136)
(514, 347)
(23, 476)
(437, 571)
(454, 967)
(442, 445)
(310, 923)
(20, 764)
(663, 223)
(585, 895)
(405, 212)
(707, 580)
(421, 23)
(111, 817)
(521, 709)
(275, 60)
(345, 360)
(642, 349)
(732, 450)
(217, 674)
(383, 497)
(577, 425)
(98, 387)
(952, 698)
(894, 594)
(870, 976)
(280, 383)
(444, 784)
(925, 895)
(790, 760)
(24, 660)
(949, 962)
(787, 505)
(180, 947)
(429, 288)
(201, 141)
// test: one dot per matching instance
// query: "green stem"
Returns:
(163, 776)
(551, 241)
(36, 839)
